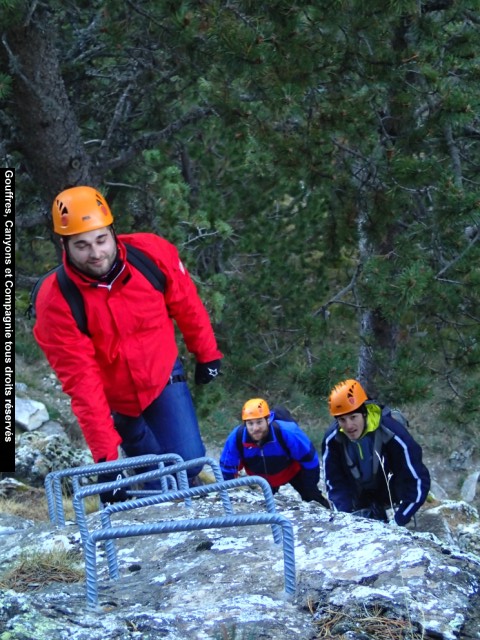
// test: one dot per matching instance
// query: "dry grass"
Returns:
(33, 506)
(90, 503)
(33, 571)
(338, 623)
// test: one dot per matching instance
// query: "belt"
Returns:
(177, 378)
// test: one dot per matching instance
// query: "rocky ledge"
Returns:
(229, 583)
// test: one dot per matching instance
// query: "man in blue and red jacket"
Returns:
(275, 449)
(124, 377)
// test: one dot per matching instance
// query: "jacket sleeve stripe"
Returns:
(416, 477)
(325, 457)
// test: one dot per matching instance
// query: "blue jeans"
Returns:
(168, 425)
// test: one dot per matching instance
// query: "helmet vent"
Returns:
(63, 213)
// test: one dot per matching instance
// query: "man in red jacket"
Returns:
(125, 379)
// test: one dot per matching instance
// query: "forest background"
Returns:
(316, 163)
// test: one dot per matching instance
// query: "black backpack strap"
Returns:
(72, 294)
(30, 311)
(147, 267)
(74, 298)
(280, 437)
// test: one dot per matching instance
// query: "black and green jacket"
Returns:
(383, 466)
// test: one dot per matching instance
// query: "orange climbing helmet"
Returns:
(255, 408)
(80, 209)
(345, 397)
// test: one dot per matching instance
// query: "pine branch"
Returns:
(337, 297)
(120, 109)
(30, 12)
(16, 68)
(147, 15)
(150, 140)
(455, 156)
(459, 257)
(437, 5)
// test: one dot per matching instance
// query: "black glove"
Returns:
(306, 483)
(116, 495)
(315, 495)
(205, 372)
(373, 512)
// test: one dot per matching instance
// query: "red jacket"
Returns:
(126, 362)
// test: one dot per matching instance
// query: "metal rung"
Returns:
(53, 480)
(178, 495)
(180, 468)
(190, 525)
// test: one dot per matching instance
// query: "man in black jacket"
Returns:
(371, 461)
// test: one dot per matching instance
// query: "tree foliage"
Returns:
(317, 163)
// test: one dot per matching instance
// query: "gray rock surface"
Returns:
(470, 486)
(46, 449)
(229, 583)
(30, 414)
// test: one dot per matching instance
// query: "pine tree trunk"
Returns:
(48, 134)
(378, 336)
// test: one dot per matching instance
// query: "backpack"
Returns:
(281, 413)
(72, 294)
(399, 417)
